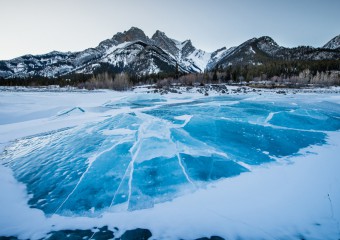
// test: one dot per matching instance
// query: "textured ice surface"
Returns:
(155, 150)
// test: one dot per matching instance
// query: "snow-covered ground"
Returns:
(259, 165)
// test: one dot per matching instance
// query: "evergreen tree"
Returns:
(215, 76)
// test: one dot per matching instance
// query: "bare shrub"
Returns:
(121, 82)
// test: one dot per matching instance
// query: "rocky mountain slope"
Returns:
(334, 43)
(261, 50)
(131, 51)
(134, 52)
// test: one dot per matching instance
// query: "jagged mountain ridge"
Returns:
(257, 51)
(134, 52)
(131, 51)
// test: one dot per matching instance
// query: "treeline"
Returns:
(292, 73)
(33, 81)
(323, 72)
(284, 70)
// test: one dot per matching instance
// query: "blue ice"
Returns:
(156, 151)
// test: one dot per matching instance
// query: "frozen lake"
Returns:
(181, 165)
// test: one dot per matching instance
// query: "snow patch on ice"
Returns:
(118, 131)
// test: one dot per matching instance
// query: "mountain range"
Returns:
(134, 52)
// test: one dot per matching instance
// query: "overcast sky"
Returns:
(41, 26)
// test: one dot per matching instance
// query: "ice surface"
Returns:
(152, 155)
(141, 151)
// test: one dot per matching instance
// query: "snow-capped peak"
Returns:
(333, 43)
(192, 59)
(267, 45)
(134, 52)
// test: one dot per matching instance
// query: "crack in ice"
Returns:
(134, 155)
(332, 213)
(183, 169)
(120, 184)
(91, 160)
(269, 117)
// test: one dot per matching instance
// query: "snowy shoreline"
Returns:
(219, 89)
(296, 197)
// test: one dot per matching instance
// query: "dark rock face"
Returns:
(103, 234)
(100, 234)
(133, 34)
(97, 234)
(188, 48)
(167, 44)
(267, 45)
(211, 238)
(136, 234)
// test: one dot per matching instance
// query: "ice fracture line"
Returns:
(91, 161)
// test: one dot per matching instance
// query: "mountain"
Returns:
(187, 56)
(131, 51)
(261, 50)
(134, 52)
(333, 44)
